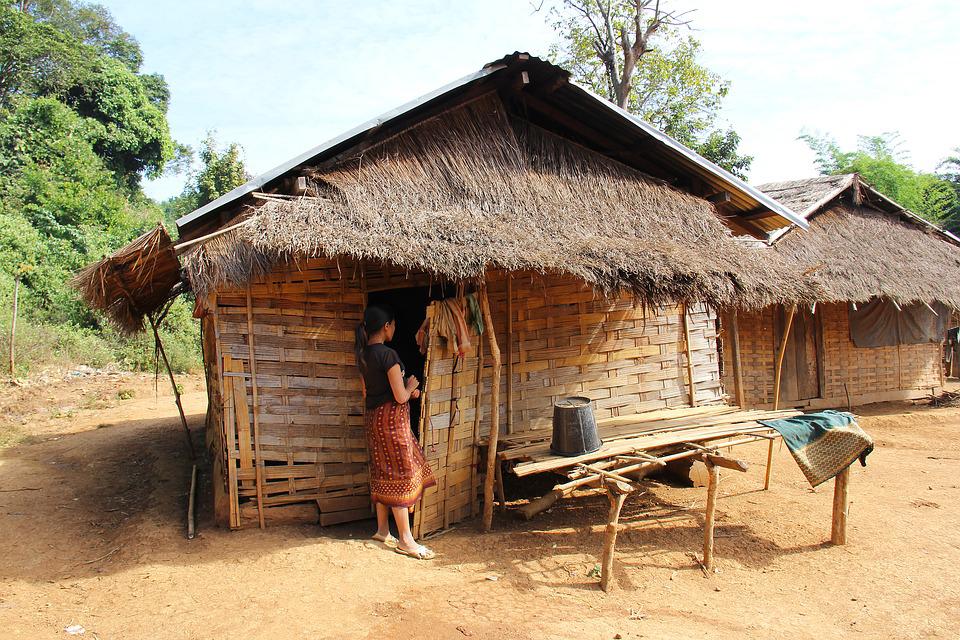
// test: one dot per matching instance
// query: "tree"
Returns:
(220, 171)
(90, 24)
(127, 111)
(632, 53)
(881, 162)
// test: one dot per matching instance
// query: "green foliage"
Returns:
(670, 89)
(220, 172)
(125, 112)
(90, 24)
(79, 127)
(880, 161)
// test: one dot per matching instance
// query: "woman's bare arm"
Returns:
(401, 392)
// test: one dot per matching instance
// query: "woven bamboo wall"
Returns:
(310, 415)
(565, 340)
(869, 374)
(449, 434)
(568, 340)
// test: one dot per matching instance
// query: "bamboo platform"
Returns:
(635, 445)
(651, 433)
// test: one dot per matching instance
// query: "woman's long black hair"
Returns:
(374, 317)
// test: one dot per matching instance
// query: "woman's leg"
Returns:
(383, 520)
(401, 516)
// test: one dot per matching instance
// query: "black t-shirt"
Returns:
(379, 359)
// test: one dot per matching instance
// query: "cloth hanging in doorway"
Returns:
(451, 327)
(823, 443)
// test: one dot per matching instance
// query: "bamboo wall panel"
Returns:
(566, 340)
(569, 340)
(867, 373)
(312, 440)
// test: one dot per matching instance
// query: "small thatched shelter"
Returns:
(593, 239)
(886, 280)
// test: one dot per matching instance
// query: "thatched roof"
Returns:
(473, 189)
(862, 245)
(136, 280)
(543, 94)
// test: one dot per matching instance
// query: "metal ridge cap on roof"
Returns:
(260, 180)
(697, 159)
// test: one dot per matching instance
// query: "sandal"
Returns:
(420, 553)
(389, 541)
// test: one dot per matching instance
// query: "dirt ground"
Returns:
(93, 484)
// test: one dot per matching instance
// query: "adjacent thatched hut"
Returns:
(887, 280)
(591, 238)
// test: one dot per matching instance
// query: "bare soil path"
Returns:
(92, 501)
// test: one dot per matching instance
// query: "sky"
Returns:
(280, 77)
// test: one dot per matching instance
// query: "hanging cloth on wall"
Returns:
(878, 323)
(476, 317)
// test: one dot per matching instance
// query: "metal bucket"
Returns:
(574, 427)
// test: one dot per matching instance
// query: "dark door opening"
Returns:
(409, 305)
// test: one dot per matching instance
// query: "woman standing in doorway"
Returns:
(398, 470)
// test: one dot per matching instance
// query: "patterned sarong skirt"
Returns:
(398, 469)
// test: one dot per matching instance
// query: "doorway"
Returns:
(409, 305)
(800, 377)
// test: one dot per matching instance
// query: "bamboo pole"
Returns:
(735, 355)
(689, 353)
(13, 322)
(713, 479)
(838, 528)
(509, 353)
(173, 385)
(477, 415)
(776, 389)
(258, 463)
(191, 504)
(490, 480)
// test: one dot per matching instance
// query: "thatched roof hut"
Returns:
(599, 245)
(861, 244)
(886, 280)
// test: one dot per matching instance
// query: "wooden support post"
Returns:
(509, 353)
(617, 493)
(734, 329)
(258, 462)
(494, 412)
(713, 479)
(691, 387)
(838, 530)
(13, 323)
(766, 473)
(191, 504)
(776, 388)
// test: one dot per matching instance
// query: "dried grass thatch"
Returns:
(856, 252)
(867, 253)
(470, 190)
(136, 280)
